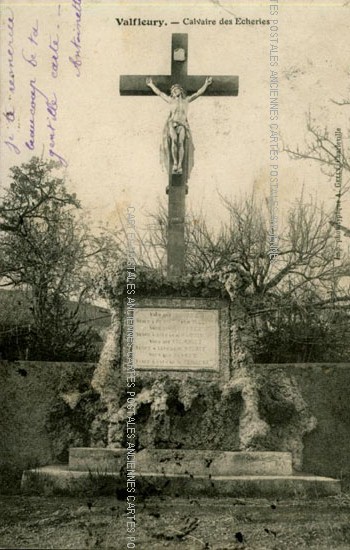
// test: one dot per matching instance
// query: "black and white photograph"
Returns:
(175, 275)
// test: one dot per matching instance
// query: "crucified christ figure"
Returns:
(177, 133)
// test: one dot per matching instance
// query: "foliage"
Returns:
(302, 332)
(152, 282)
(45, 250)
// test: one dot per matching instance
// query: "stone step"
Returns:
(215, 463)
(60, 480)
(96, 459)
(184, 461)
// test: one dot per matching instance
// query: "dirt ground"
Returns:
(178, 523)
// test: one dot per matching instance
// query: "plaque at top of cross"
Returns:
(178, 89)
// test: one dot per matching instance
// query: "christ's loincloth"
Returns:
(165, 148)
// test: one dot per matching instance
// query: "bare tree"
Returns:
(303, 290)
(306, 247)
(324, 149)
(332, 153)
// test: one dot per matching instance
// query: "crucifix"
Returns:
(177, 89)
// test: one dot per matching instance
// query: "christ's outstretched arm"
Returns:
(156, 90)
(207, 83)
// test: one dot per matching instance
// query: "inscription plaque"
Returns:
(181, 339)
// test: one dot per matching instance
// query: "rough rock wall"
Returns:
(252, 410)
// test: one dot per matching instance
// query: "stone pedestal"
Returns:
(179, 389)
(195, 386)
(180, 473)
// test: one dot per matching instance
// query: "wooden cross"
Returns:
(177, 188)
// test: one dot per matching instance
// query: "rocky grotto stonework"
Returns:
(242, 408)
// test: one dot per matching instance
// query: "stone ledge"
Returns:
(60, 480)
(215, 463)
(184, 461)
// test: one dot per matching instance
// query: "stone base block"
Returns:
(177, 461)
(61, 480)
(251, 486)
(180, 473)
(215, 463)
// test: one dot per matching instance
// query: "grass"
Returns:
(175, 523)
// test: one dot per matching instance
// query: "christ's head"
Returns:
(177, 91)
